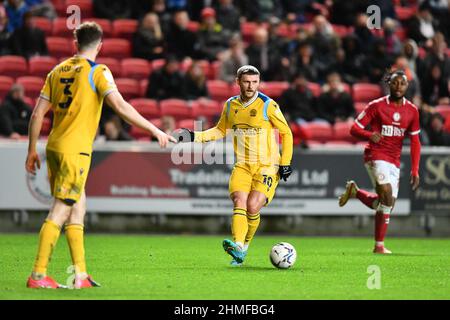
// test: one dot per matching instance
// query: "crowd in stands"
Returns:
(177, 59)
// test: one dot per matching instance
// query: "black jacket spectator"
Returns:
(303, 61)
(28, 41)
(212, 38)
(195, 83)
(180, 41)
(228, 15)
(298, 101)
(167, 82)
(148, 41)
(4, 34)
(436, 133)
(111, 10)
(435, 87)
(14, 113)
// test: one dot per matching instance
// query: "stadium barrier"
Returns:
(141, 178)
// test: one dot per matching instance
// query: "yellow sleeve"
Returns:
(46, 91)
(279, 122)
(104, 80)
(215, 133)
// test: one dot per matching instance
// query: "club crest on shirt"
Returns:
(253, 113)
(396, 116)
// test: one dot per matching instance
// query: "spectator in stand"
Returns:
(112, 10)
(363, 35)
(139, 8)
(4, 33)
(15, 9)
(176, 5)
(343, 12)
(28, 41)
(228, 15)
(148, 41)
(15, 113)
(232, 59)
(212, 38)
(264, 57)
(435, 87)
(114, 131)
(260, 10)
(41, 8)
(349, 61)
(335, 104)
(411, 52)
(377, 61)
(392, 42)
(324, 42)
(298, 101)
(422, 26)
(440, 11)
(436, 132)
(304, 62)
(180, 41)
(167, 82)
(165, 18)
(195, 82)
(437, 55)
(301, 36)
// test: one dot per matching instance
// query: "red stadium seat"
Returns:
(143, 84)
(341, 132)
(177, 108)
(274, 89)
(135, 68)
(347, 88)
(60, 47)
(447, 125)
(148, 108)
(340, 30)
(32, 85)
(113, 65)
(41, 66)
(13, 66)
(405, 13)
(320, 131)
(116, 48)
(204, 64)
(296, 133)
(315, 88)
(129, 88)
(206, 108)
(365, 92)
(60, 28)
(187, 123)
(60, 7)
(105, 24)
(444, 110)
(85, 6)
(157, 64)
(359, 106)
(247, 30)
(214, 70)
(29, 101)
(124, 28)
(5, 85)
(44, 24)
(218, 90)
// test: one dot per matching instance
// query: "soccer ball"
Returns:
(283, 255)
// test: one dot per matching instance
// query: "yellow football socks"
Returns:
(239, 225)
(75, 239)
(253, 224)
(47, 241)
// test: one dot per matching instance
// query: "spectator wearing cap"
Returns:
(15, 113)
(232, 60)
(4, 33)
(28, 41)
(212, 38)
(15, 10)
(167, 82)
(148, 41)
(228, 15)
(335, 104)
(180, 41)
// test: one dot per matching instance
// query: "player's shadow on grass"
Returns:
(261, 268)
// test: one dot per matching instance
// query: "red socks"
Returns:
(368, 198)
(381, 222)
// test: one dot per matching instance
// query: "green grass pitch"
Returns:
(196, 268)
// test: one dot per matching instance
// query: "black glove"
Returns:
(183, 135)
(285, 172)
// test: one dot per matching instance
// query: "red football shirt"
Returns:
(393, 122)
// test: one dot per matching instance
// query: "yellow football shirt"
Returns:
(76, 89)
(254, 127)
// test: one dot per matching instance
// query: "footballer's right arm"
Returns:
(126, 111)
(358, 129)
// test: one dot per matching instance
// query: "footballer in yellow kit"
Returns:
(74, 90)
(254, 121)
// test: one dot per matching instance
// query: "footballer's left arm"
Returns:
(287, 143)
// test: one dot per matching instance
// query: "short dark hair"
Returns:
(87, 34)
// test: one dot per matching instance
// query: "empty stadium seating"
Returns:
(116, 48)
(5, 85)
(319, 131)
(135, 68)
(365, 92)
(177, 108)
(41, 66)
(32, 85)
(148, 108)
(13, 66)
(129, 88)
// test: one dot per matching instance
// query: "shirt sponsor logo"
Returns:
(392, 131)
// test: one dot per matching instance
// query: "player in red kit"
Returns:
(391, 118)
